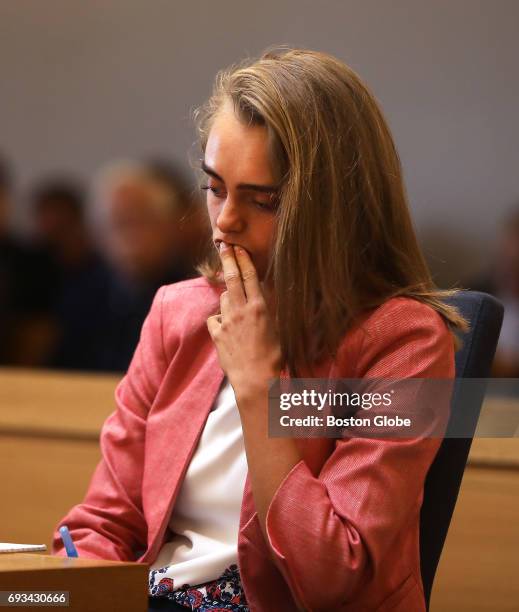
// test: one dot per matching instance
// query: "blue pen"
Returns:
(67, 541)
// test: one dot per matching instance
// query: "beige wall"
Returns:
(84, 81)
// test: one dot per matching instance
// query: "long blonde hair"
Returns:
(344, 239)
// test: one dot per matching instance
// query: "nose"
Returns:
(229, 218)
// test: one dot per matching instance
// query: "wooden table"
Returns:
(92, 585)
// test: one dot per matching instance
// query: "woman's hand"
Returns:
(250, 354)
(244, 334)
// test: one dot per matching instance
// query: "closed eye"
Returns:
(267, 206)
(218, 192)
(270, 204)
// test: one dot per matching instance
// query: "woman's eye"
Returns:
(269, 206)
(217, 191)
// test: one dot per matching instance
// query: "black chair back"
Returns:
(474, 360)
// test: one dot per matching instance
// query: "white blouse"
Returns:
(206, 514)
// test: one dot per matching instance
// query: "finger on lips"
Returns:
(231, 273)
(236, 262)
(248, 273)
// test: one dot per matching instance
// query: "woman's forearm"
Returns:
(269, 459)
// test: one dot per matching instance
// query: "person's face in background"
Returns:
(55, 221)
(240, 185)
(143, 229)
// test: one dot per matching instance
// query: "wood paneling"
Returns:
(55, 403)
(479, 566)
(41, 478)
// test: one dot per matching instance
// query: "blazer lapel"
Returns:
(173, 432)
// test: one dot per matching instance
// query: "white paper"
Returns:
(7, 547)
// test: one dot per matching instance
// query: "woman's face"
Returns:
(241, 190)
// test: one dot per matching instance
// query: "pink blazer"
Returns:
(343, 526)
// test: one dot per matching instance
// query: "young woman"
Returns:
(314, 271)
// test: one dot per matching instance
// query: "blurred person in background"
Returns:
(154, 230)
(501, 279)
(76, 300)
(11, 265)
(26, 328)
(151, 233)
(70, 274)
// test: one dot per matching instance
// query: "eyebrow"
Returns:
(245, 186)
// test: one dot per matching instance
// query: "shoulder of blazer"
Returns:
(186, 305)
(398, 321)
(399, 314)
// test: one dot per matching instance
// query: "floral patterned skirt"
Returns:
(224, 593)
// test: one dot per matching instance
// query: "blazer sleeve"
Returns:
(329, 534)
(109, 523)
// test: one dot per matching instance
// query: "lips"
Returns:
(218, 242)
